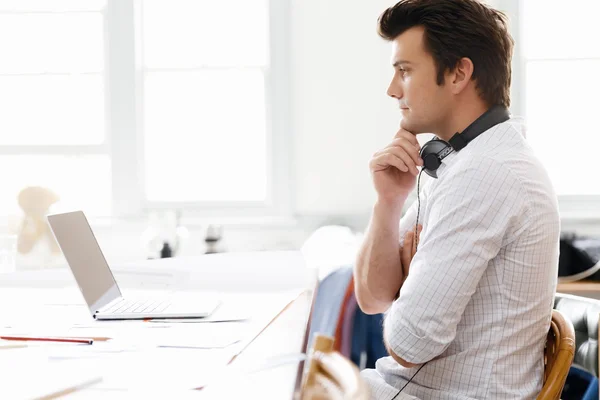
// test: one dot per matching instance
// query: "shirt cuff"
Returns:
(410, 347)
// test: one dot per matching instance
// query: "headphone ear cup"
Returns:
(430, 156)
(431, 162)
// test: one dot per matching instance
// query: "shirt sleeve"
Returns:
(468, 215)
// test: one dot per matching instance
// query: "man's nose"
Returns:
(394, 91)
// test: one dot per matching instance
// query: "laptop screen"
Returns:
(82, 252)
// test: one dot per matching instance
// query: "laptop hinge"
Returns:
(109, 297)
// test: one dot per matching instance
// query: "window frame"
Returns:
(58, 150)
(573, 208)
(124, 136)
(125, 89)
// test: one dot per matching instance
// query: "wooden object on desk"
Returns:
(558, 356)
(590, 289)
(324, 344)
(330, 375)
(579, 286)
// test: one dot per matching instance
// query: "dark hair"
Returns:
(455, 29)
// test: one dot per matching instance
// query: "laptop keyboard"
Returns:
(138, 306)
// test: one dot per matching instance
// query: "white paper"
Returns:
(28, 374)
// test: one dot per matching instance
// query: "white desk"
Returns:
(260, 275)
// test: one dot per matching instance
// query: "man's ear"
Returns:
(461, 76)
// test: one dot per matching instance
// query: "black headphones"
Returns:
(434, 151)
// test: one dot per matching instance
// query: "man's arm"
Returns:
(378, 269)
(409, 249)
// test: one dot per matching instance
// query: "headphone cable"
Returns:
(415, 243)
(411, 378)
(415, 240)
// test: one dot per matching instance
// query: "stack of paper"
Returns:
(27, 374)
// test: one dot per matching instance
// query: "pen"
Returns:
(48, 339)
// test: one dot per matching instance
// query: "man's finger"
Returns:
(406, 158)
(386, 160)
(402, 133)
(399, 141)
(408, 148)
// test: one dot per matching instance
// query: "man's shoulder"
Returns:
(480, 170)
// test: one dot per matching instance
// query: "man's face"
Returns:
(425, 105)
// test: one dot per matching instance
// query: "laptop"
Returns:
(98, 285)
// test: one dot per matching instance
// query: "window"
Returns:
(52, 102)
(124, 105)
(204, 76)
(560, 61)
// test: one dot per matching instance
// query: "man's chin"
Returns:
(406, 124)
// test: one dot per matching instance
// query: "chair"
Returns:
(330, 376)
(583, 312)
(558, 356)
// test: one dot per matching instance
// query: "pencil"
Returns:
(48, 339)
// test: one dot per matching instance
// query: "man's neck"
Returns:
(459, 120)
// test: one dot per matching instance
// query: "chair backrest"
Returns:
(330, 376)
(558, 356)
(583, 312)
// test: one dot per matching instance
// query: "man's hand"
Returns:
(394, 168)
(408, 250)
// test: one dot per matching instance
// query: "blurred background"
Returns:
(184, 127)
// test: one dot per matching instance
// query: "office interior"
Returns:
(223, 147)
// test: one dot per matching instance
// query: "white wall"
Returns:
(340, 112)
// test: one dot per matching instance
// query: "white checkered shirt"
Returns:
(477, 302)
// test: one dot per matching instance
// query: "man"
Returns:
(467, 317)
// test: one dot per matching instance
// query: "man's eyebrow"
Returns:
(399, 62)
